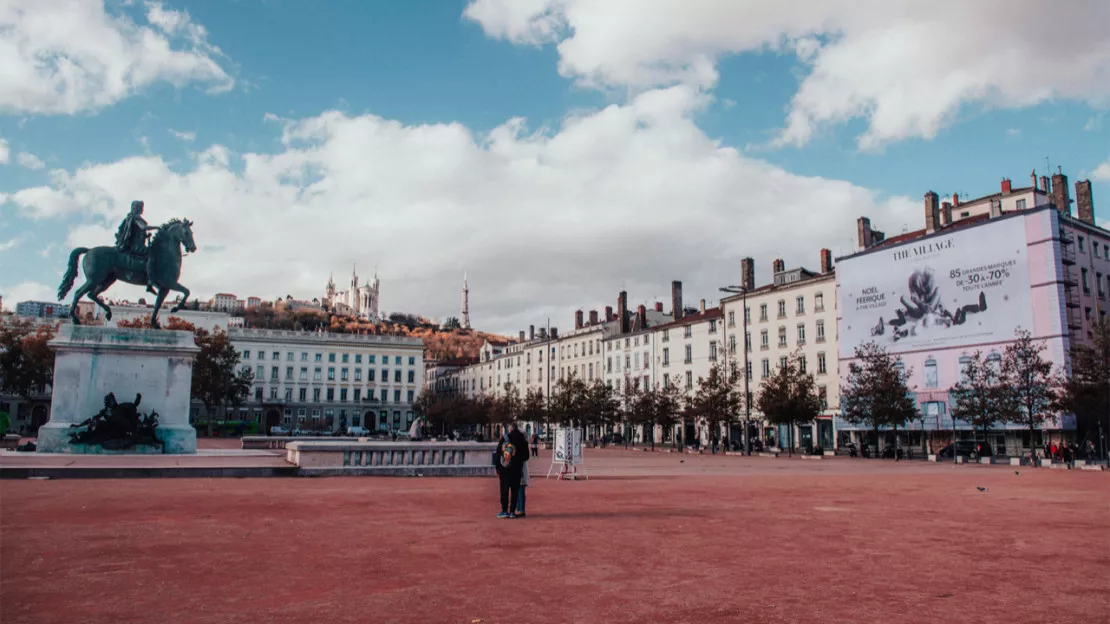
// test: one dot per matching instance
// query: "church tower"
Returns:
(464, 320)
(329, 292)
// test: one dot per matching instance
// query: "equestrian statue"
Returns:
(156, 266)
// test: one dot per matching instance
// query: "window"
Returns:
(342, 395)
(763, 340)
(302, 394)
(258, 393)
(821, 366)
(732, 318)
(1098, 284)
(1021, 204)
(688, 331)
(331, 358)
(1086, 285)
(331, 394)
(304, 356)
(397, 376)
(782, 308)
(1094, 247)
(965, 361)
(801, 333)
(370, 359)
(766, 372)
(666, 356)
(747, 315)
(289, 373)
(609, 363)
(713, 326)
(820, 330)
(782, 336)
(358, 394)
(412, 376)
(262, 355)
(647, 359)
(666, 380)
(358, 358)
(689, 379)
(385, 375)
(732, 344)
(260, 373)
(823, 396)
(1081, 246)
(689, 354)
(343, 374)
(782, 361)
(666, 335)
(315, 395)
(931, 373)
(369, 374)
(318, 357)
(397, 360)
(331, 373)
(384, 395)
(801, 305)
(627, 361)
(346, 358)
(802, 363)
(396, 396)
(763, 311)
(246, 355)
(358, 374)
(712, 350)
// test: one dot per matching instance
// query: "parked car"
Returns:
(967, 448)
(279, 431)
(358, 431)
(301, 432)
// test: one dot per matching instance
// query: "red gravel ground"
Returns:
(721, 539)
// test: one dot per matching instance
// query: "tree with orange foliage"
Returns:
(26, 360)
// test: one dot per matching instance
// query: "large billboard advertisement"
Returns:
(967, 287)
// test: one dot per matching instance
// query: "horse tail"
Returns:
(71, 272)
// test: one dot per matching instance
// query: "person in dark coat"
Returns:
(512, 452)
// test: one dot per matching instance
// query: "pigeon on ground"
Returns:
(1017, 472)
(682, 461)
(981, 489)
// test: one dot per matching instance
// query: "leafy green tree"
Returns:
(982, 395)
(534, 408)
(716, 401)
(602, 409)
(218, 379)
(1087, 392)
(569, 401)
(789, 397)
(1033, 388)
(26, 360)
(877, 392)
(452, 322)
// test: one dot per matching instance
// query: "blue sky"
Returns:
(555, 152)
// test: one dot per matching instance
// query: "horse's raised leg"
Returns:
(77, 297)
(94, 294)
(162, 292)
(184, 296)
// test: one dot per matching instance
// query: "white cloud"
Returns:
(4, 152)
(1102, 172)
(11, 243)
(26, 291)
(905, 66)
(1013, 132)
(544, 222)
(70, 56)
(184, 135)
(30, 161)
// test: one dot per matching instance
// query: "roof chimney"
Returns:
(701, 306)
(747, 273)
(543, 333)
(932, 213)
(1044, 185)
(955, 199)
(554, 333)
(608, 313)
(676, 299)
(1084, 202)
(641, 317)
(778, 266)
(622, 311)
(863, 233)
(578, 319)
(531, 332)
(1005, 186)
(522, 335)
(1033, 179)
(826, 261)
(658, 306)
(945, 215)
(593, 317)
(1060, 193)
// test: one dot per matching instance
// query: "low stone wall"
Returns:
(279, 442)
(407, 459)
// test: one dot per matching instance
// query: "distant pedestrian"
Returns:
(512, 452)
(525, 481)
(716, 443)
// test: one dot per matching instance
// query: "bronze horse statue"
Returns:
(103, 266)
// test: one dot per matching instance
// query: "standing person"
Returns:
(512, 452)
(535, 444)
(525, 481)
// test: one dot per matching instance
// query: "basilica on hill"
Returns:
(359, 301)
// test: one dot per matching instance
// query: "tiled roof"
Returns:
(710, 313)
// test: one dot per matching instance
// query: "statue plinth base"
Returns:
(92, 361)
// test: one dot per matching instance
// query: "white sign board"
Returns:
(964, 288)
(568, 446)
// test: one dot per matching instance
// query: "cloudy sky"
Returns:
(556, 151)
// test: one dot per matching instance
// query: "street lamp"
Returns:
(743, 292)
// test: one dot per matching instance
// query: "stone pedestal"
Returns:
(92, 361)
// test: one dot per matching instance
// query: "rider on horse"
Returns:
(131, 239)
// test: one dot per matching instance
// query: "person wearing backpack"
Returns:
(512, 452)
